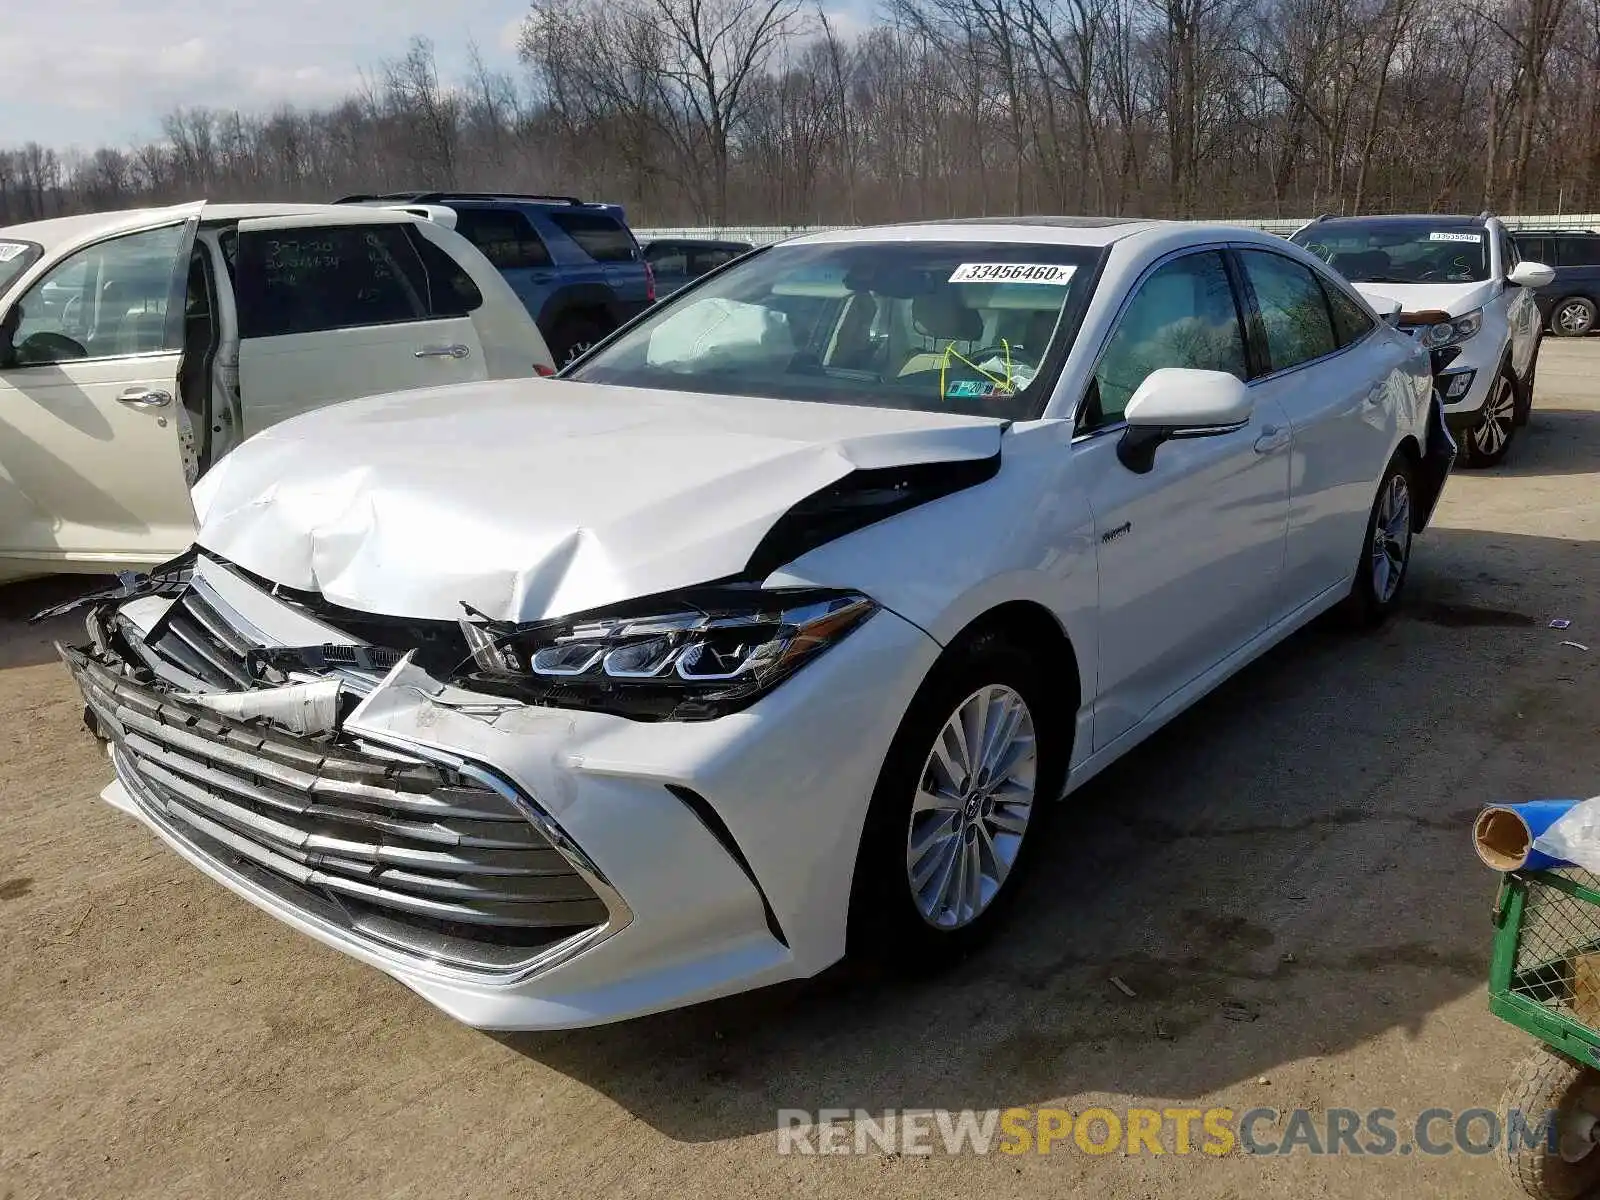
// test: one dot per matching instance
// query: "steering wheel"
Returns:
(1027, 358)
(47, 346)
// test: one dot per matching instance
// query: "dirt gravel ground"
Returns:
(1293, 852)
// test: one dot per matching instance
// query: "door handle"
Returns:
(456, 350)
(141, 397)
(1272, 439)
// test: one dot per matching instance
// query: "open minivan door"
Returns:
(336, 306)
(91, 462)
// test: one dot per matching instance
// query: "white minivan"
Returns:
(137, 348)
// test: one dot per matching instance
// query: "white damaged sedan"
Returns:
(773, 627)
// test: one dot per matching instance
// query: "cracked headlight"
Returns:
(1457, 329)
(695, 656)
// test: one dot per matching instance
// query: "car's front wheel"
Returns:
(956, 811)
(1572, 317)
(1386, 552)
(1486, 443)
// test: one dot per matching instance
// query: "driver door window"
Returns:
(1183, 315)
(107, 301)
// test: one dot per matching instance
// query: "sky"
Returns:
(87, 73)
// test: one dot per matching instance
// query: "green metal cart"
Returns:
(1545, 979)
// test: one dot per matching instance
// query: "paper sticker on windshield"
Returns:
(975, 389)
(1455, 237)
(1048, 273)
(10, 250)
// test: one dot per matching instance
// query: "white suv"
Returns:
(1459, 287)
(137, 348)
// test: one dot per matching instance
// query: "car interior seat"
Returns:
(942, 318)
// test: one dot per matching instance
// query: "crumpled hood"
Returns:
(1457, 299)
(531, 499)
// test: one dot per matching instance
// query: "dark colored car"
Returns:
(679, 261)
(575, 266)
(1570, 306)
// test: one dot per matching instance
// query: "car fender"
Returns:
(1025, 535)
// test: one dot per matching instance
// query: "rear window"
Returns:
(505, 237)
(603, 238)
(313, 279)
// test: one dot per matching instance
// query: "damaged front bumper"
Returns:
(521, 867)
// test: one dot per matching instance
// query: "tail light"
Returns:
(543, 371)
(649, 284)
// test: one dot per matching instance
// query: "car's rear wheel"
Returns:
(574, 335)
(1386, 552)
(1486, 443)
(1572, 317)
(956, 812)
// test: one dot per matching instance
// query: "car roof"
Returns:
(59, 231)
(1065, 231)
(1093, 232)
(1403, 219)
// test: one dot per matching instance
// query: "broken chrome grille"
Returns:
(406, 852)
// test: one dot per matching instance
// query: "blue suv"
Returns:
(575, 266)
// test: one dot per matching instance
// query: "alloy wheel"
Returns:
(1391, 538)
(1574, 318)
(1493, 430)
(973, 803)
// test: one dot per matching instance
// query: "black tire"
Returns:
(886, 924)
(573, 335)
(1373, 595)
(1486, 443)
(1547, 1081)
(1573, 316)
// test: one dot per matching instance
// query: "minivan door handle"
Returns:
(143, 397)
(457, 350)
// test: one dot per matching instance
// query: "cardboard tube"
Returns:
(1504, 834)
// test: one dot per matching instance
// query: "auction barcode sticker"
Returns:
(1053, 273)
(1455, 237)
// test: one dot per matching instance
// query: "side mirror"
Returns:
(1388, 309)
(1179, 402)
(1532, 275)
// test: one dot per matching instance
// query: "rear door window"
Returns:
(506, 237)
(1294, 314)
(1350, 321)
(1577, 252)
(602, 238)
(312, 279)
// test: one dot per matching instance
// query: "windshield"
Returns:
(974, 328)
(1401, 251)
(15, 258)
